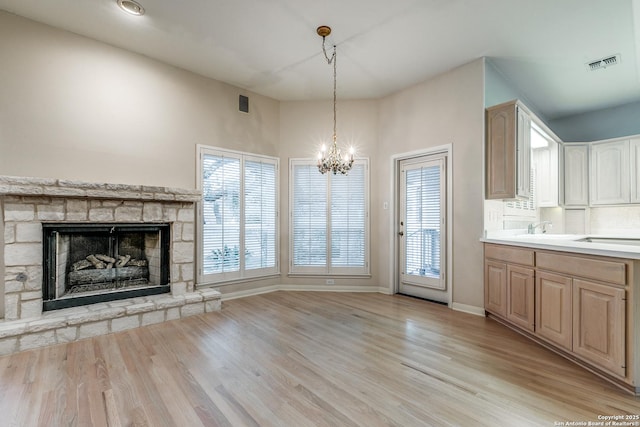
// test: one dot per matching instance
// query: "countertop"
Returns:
(573, 243)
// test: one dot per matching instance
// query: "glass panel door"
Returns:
(422, 226)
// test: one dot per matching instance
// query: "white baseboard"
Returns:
(478, 311)
(299, 288)
(471, 309)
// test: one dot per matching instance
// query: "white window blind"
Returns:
(260, 214)
(423, 221)
(309, 216)
(329, 220)
(238, 216)
(348, 218)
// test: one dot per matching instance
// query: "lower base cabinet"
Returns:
(598, 324)
(565, 300)
(554, 320)
(520, 296)
(495, 279)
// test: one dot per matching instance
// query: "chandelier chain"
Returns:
(332, 61)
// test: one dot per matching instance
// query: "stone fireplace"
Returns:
(139, 241)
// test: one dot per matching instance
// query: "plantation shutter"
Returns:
(309, 216)
(329, 220)
(238, 216)
(348, 218)
(221, 214)
(260, 212)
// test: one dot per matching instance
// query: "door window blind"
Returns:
(423, 221)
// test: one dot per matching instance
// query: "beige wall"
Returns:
(448, 109)
(304, 126)
(74, 108)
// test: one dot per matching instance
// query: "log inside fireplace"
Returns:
(89, 263)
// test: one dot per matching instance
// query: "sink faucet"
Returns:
(531, 228)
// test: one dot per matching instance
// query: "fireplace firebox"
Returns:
(90, 263)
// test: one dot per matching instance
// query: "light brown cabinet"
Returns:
(495, 279)
(509, 284)
(598, 324)
(553, 309)
(520, 296)
(508, 151)
(575, 303)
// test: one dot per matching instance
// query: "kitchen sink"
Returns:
(611, 240)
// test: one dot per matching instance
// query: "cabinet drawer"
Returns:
(614, 272)
(509, 254)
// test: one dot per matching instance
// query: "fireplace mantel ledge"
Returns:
(29, 186)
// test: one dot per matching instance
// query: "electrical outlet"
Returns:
(330, 282)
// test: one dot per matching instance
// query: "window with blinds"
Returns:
(525, 207)
(422, 221)
(238, 215)
(329, 220)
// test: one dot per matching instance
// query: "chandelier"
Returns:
(333, 160)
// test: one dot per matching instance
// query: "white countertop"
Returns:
(573, 243)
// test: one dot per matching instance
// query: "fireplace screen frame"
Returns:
(106, 230)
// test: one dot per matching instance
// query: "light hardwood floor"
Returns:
(306, 359)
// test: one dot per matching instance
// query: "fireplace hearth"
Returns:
(89, 263)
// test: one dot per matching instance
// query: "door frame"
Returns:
(447, 151)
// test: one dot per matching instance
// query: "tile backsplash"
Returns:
(619, 219)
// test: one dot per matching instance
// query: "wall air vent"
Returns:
(604, 62)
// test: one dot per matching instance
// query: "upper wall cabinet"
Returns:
(610, 173)
(545, 164)
(508, 151)
(634, 147)
(576, 174)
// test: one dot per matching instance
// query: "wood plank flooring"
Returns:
(306, 359)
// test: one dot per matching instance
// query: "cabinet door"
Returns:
(635, 170)
(523, 155)
(598, 324)
(501, 152)
(546, 165)
(495, 287)
(520, 296)
(576, 175)
(610, 173)
(553, 308)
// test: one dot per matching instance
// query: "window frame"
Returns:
(242, 274)
(327, 269)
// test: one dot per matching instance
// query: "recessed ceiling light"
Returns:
(132, 7)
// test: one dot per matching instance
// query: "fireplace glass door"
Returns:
(88, 263)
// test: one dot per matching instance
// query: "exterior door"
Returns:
(422, 263)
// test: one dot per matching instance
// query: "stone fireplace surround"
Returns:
(25, 203)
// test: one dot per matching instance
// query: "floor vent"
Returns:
(604, 62)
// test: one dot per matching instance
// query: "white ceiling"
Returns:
(270, 46)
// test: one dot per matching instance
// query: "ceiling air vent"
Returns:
(604, 62)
